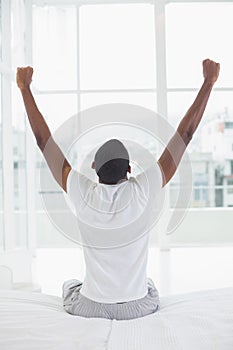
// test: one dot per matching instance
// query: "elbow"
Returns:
(44, 141)
(187, 136)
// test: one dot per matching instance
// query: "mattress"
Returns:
(192, 321)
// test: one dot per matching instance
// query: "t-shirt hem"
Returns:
(113, 301)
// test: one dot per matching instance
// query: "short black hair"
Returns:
(111, 162)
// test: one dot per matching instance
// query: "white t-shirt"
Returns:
(114, 223)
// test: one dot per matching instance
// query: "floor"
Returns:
(178, 270)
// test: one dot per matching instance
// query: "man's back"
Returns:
(114, 222)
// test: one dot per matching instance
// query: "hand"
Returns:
(210, 70)
(24, 77)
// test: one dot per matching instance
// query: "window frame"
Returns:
(161, 89)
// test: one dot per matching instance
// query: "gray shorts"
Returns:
(77, 304)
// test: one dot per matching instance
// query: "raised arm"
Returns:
(55, 159)
(174, 151)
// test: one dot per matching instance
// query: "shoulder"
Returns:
(77, 181)
(151, 176)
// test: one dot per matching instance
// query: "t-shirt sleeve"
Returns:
(78, 187)
(151, 176)
(149, 186)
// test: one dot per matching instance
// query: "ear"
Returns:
(129, 169)
(93, 165)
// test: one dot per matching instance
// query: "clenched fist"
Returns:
(24, 77)
(210, 70)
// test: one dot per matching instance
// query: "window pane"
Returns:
(18, 127)
(54, 47)
(56, 109)
(196, 31)
(17, 34)
(147, 100)
(0, 30)
(1, 174)
(211, 150)
(136, 140)
(19, 169)
(117, 46)
(127, 132)
(20, 223)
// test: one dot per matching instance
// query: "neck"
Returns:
(120, 181)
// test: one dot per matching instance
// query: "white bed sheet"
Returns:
(193, 321)
(37, 321)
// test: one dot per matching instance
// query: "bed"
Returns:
(192, 321)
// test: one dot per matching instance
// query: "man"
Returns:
(115, 284)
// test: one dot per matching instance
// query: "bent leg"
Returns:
(68, 289)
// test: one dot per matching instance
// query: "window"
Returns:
(114, 63)
(1, 170)
(229, 125)
(104, 63)
(13, 190)
(231, 162)
(89, 55)
(18, 129)
(187, 44)
(230, 187)
(114, 54)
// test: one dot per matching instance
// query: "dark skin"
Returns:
(168, 163)
(128, 171)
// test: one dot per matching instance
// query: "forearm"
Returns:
(192, 118)
(36, 120)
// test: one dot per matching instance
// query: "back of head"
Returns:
(111, 162)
